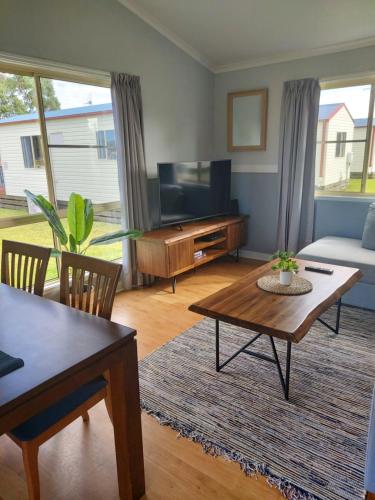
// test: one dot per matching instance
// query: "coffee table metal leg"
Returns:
(287, 373)
(284, 380)
(336, 328)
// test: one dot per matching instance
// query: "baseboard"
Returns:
(249, 254)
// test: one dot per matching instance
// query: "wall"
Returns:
(255, 182)
(177, 91)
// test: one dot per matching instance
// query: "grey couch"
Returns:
(344, 247)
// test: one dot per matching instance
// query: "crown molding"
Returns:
(167, 33)
(294, 55)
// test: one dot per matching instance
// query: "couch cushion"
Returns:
(343, 252)
(368, 238)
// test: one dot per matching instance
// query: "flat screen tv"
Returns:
(193, 190)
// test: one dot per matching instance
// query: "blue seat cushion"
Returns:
(39, 423)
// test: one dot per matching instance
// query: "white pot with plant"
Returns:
(286, 265)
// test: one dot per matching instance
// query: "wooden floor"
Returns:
(79, 462)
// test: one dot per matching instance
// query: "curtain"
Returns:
(128, 119)
(299, 119)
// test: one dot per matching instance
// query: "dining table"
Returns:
(63, 348)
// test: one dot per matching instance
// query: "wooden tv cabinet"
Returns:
(169, 251)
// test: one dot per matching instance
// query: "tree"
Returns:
(17, 95)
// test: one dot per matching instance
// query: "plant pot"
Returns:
(286, 277)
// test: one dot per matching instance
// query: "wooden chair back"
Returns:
(24, 266)
(88, 284)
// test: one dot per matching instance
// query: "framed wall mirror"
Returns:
(247, 120)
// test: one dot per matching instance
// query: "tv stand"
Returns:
(179, 227)
(167, 253)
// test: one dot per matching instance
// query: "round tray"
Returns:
(271, 283)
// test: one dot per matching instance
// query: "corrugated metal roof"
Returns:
(82, 110)
(362, 122)
(326, 111)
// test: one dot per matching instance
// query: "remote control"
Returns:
(323, 270)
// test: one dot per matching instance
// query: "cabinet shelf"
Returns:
(210, 255)
(200, 245)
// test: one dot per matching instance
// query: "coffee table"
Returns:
(285, 317)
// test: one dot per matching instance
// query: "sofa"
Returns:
(338, 240)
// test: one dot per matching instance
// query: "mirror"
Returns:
(247, 120)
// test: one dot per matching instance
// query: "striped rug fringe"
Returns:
(289, 491)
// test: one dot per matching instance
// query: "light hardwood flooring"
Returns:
(79, 462)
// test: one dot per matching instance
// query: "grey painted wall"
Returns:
(258, 192)
(104, 35)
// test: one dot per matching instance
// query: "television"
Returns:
(193, 190)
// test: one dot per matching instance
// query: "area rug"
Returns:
(310, 447)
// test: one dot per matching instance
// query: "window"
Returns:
(73, 114)
(105, 140)
(345, 152)
(340, 145)
(80, 136)
(32, 151)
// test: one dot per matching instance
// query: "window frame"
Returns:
(28, 142)
(352, 82)
(340, 144)
(105, 152)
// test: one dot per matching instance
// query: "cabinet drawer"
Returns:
(180, 256)
(235, 235)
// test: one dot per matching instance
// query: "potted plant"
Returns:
(286, 265)
(80, 215)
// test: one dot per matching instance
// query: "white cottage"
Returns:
(334, 159)
(82, 150)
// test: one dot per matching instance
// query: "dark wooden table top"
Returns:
(52, 339)
(287, 317)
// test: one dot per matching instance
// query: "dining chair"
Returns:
(87, 284)
(24, 266)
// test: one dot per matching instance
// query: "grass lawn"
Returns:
(9, 212)
(41, 234)
(355, 186)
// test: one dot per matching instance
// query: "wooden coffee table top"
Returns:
(282, 316)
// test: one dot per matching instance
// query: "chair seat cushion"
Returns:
(343, 252)
(39, 423)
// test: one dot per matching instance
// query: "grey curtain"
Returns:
(299, 119)
(128, 118)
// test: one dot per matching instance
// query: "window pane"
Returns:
(341, 138)
(84, 161)
(38, 233)
(21, 161)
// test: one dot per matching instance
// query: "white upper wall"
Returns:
(177, 91)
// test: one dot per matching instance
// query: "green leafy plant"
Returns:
(285, 262)
(80, 215)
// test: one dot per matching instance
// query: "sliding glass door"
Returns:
(56, 137)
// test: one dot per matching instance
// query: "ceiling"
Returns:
(234, 34)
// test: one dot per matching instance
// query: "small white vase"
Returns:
(286, 277)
